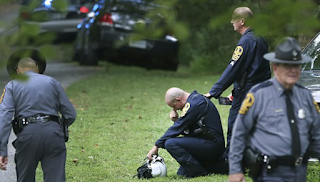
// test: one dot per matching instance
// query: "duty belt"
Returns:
(38, 119)
(283, 161)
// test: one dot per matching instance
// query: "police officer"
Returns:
(246, 68)
(200, 124)
(35, 102)
(279, 119)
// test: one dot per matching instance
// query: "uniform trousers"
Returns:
(194, 154)
(238, 97)
(283, 174)
(40, 142)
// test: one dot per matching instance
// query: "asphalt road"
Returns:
(65, 73)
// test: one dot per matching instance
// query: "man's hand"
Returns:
(174, 115)
(152, 152)
(207, 95)
(3, 162)
(237, 177)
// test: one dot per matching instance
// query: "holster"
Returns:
(253, 161)
(17, 126)
(64, 128)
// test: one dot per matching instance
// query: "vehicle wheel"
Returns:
(90, 58)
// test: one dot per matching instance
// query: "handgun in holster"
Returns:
(253, 161)
(204, 130)
(17, 125)
(65, 129)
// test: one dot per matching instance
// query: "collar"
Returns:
(280, 89)
(30, 72)
(247, 31)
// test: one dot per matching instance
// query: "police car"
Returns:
(310, 72)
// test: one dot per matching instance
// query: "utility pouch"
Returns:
(253, 161)
(17, 126)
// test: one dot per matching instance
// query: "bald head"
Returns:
(27, 64)
(242, 13)
(176, 98)
(173, 93)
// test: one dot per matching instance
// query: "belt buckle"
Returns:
(298, 161)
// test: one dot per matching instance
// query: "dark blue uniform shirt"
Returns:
(247, 57)
(193, 110)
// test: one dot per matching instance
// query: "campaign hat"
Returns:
(36, 55)
(288, 51)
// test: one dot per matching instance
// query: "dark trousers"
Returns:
(40, 142)
(194, 154)
(284, 174)
(238, 97)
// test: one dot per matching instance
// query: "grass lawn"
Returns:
(121, 113)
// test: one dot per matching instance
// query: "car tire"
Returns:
(89, 58)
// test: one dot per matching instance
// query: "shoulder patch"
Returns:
(185, 109)
(1, 98)
(261, 85)
(237, 53)
(317, 106)
(247, 103)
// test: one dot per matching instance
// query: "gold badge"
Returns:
(185, 109)
(1, 98)
(247, 103)
(315, 104)
(237, 53)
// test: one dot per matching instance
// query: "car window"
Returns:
(313, 50)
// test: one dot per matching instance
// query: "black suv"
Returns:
(130, 32)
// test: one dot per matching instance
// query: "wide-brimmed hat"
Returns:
(288, 52)
(34, 54)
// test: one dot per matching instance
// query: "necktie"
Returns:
(296, 148)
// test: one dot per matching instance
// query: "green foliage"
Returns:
(60, 5)
(298, 18)
(4, 2)
(206, 49)
(271, 20)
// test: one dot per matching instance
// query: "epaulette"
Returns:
(261, 85)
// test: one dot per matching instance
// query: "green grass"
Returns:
(121, 113)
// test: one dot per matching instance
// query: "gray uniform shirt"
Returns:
(39, 94)
(265, 105)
